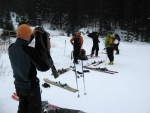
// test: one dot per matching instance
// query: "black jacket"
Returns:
(24, 61)
(94, 36)
(95, 40)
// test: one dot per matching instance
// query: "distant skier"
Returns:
(95, 47)
(77, 42)
(109, 45)
(116, 43)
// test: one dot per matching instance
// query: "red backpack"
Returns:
(82, 55)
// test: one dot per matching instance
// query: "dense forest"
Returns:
(130, 15)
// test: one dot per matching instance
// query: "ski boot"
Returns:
(110, 63)
(91, 55)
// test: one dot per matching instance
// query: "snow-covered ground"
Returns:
(125, 92)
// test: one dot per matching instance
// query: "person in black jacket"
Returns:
(95, 47)
(25, 61)
(117, 41)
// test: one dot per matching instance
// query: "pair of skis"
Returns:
(95, 63)
(105, 70)
(61, 85)
(99, 62)
(50, 108)
(63, 70)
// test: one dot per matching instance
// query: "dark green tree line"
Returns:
(73, 14)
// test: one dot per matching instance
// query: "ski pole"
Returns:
(76, 78)
(105, 51)
(65, 48)
(71, 55)
(103, 44)
(83, 75)
(106, 57)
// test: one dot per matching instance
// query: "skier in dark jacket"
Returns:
(96, 42)
(116, 43)
(24, 61)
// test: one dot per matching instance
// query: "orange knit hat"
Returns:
(24, 31)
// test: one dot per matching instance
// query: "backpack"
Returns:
(111, 40)
(42, 45)
(82, 55)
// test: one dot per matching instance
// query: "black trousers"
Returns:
(95, 47)
(29, 100)
(76, 53)
(116, 48)
(110, 53)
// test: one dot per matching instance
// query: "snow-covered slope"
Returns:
(125, 92)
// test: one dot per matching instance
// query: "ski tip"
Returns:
(15, 97)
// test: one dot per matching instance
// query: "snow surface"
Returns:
(125, 92)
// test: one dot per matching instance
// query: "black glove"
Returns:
(45, 85)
